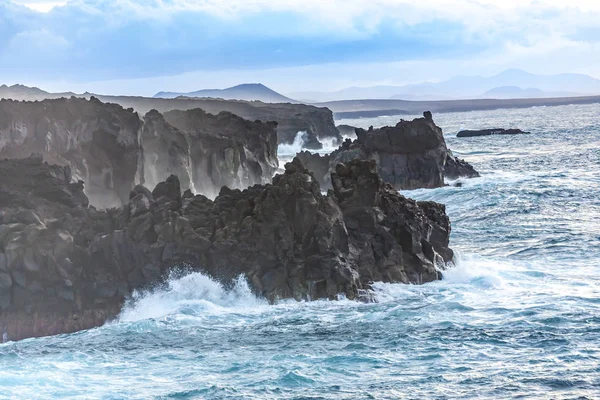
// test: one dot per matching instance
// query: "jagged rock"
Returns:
(458, 168)
(111, 149)
(410, 155)
(489, 132)
(165, 151)
(98, 141)
(65, 267)
(317, 122)
(226, 150)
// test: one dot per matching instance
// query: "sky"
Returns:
(140, 47)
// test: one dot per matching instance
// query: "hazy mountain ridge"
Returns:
(245, 91)
(515, 92)
(22, 92)
(467, 87)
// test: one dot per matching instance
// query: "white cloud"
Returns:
(456, 36)
(42, 5)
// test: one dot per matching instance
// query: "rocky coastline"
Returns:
(66, 266)
(112, 149)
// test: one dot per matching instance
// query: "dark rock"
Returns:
(317, 122)
(226, 150)
(489, 132)
(111, 149)
(166, 151)
(457, 168)
(410, 155)
(98, 141)
(71, 267)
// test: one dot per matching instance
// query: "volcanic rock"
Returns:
(111, 149)
(410, 155)
(65, 266)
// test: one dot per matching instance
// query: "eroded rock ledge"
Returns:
(65, 266)
(409, 155)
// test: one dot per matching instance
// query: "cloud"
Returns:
(92, 40)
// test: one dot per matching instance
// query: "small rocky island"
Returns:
(489, 132)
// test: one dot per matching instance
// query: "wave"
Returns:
(198, 299)
(292, 149)
(193, 294)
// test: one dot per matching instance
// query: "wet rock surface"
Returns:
(65, 266)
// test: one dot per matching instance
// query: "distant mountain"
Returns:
(468, 87)
(515, 92)
(21, 92)
(247, 92)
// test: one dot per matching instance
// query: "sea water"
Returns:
(517, 317)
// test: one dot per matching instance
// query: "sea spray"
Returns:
(290, 150)
(191, 292)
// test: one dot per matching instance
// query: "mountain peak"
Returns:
(243, 91)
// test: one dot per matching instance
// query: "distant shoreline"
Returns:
(345, 109)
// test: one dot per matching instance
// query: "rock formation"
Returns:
(317, 122)
(347, 130)
(65, 266)
(226, 150)
(99, 141)
(410, 155)
(489, 132)
(112, 149)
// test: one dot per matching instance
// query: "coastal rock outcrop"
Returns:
(112, 149)
(227, 150)
(98, 141)
(489, 132)
(65, 266)
(317, 122)
(410, 155)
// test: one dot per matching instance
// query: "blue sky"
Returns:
(143, 46)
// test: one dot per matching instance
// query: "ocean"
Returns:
(517, 317)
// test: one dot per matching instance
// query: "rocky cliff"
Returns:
(99, 141)
(112, 149)
(409, 155)
(317, 122)
(65, 266)
(226, 150)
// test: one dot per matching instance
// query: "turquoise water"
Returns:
(518, 317)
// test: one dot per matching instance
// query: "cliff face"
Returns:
(99, 141)
(65, 267)
(227, 150)
(317, 122)
(111, 149)
(410, 155)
